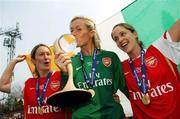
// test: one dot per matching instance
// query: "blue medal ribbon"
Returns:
(40, 99)
(89, 82)
(143, 83)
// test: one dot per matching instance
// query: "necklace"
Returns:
(89, 81)
(142, 84)
(40, 99)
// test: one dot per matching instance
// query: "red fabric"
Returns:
(163, 87)
(31, 104)
(164, 35)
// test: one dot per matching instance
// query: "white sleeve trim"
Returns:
(168, 48)
(124, 101)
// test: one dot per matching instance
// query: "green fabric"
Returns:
(179, 67)
(64, 78)
(152, 17)
(108, 80)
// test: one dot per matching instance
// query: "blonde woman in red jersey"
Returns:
(36, 90)
(151, 74)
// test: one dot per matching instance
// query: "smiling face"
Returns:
(42, 59)
(125, 39)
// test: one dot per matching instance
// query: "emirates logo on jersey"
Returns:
(55, 85)
(151, 61)
(106, 61)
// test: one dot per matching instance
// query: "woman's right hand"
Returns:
(19, 58)
(5, 80)
(62, 60)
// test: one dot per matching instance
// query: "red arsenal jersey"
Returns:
(31, 103)
(163, 84)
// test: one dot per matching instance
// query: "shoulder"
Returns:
(109, 56)
(108, 53)
(76, 56)
(30, 80)
(56, 75)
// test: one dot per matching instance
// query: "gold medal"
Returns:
(40, 110)
(145, 99)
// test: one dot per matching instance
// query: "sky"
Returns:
(43, 21)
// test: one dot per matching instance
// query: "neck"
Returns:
(88, 51)
(135, 52)
(43, 73)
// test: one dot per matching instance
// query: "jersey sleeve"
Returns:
(119, 82)
(168, 48)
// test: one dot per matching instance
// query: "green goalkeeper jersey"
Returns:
(109, 78)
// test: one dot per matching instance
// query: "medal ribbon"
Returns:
(40, 99)
(89, 82)
(141, 84)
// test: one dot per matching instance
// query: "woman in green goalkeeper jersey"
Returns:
(106, 67)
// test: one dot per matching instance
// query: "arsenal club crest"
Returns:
(55, 85)
(151, 61)
(106, 61)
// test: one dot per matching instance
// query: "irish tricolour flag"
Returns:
(150, 18)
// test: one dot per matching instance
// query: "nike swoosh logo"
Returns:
(32, 88)
(78, 68)
(126, 73)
